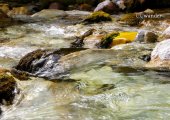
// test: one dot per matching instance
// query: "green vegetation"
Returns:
(108, 39)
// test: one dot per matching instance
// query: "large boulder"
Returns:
(160, 57)
(41, 62)
(59, 64)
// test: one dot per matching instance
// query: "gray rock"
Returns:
(160, 57)
(166, 33)
(49, 13)
(146, 36)
(140, 36)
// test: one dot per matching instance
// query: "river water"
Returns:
(110, 89)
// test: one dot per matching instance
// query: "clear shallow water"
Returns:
(112, 90)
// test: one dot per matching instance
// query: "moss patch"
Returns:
(96, 17)
(108, 39)
(26, 62)
(130, 19)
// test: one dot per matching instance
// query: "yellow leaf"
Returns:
(123, 38)
(127, 35)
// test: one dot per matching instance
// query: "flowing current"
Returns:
(106, 89)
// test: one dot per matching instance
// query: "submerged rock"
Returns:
(160, 57)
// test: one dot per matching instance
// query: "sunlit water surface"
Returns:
(101, 91)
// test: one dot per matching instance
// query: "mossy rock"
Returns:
(96, 17)
(4, 19)
(130, 19)
(7, 88)
(38, 59)
(21, 75)
(108, 39)
(26, 62)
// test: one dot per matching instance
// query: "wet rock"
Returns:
(140, 36)
(79, 42)
(106, 41)
(39, 61)
(96, 17)
(107, 6)
(85, 7)
(146, 36)
(166, 33)
(49, 13)
(92, 41)
(5, 20)
(7, 85)
(160, 57)
(25, 63)
(58, 64)
(4, 8)
(146, 58)
(130, 19)
(8, 88)
(18, 11)
(148, 11)
(4, 40)
(150, 37)
(56, 5)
